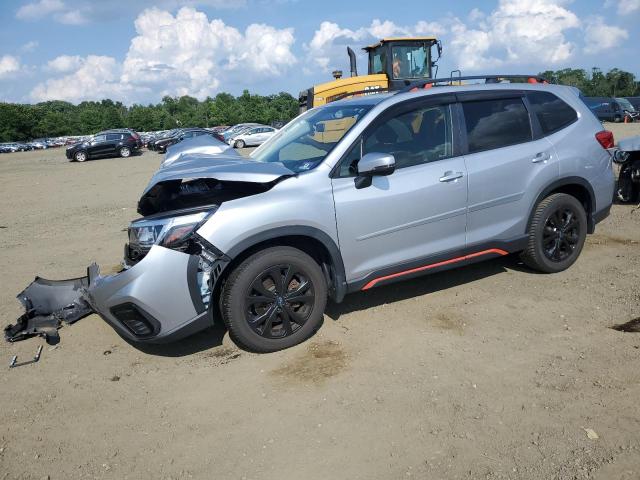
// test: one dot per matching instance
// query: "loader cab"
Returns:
(403, 60)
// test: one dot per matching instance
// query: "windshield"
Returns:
(411, 61)
(625, 104)
(305, 142)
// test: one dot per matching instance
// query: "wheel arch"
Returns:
(314, 242)
(577, 187)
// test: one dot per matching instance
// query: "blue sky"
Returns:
(138, 51)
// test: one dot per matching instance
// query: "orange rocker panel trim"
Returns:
(375, 281)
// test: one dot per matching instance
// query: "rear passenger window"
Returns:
(552, 113)
(496, 123)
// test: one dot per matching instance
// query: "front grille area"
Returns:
(138, 322)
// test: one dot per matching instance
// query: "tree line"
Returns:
(56, 118)
(20, 122)
(614, 83)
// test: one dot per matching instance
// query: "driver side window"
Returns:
(413, 138)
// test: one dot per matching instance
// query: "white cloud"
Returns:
(599, 36)
(95, 77)
(624, 7)
(185, 54)
(72, 17)
(517, 32)
(57, 10)
(9, 65)
(37, 10)
(29, 46)
(65, 63)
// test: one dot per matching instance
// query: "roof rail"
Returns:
(458, 78)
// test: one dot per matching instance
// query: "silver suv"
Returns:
(354, 195)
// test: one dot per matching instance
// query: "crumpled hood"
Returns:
(199, 179)
(223, 167)
(204, 144)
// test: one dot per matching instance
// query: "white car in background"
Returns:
(252, 137)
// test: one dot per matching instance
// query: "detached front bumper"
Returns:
(162, 298)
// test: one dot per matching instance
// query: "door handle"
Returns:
(541, 157)
(450, 176)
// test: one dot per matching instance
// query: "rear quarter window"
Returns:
(496, 123)
(552, 113)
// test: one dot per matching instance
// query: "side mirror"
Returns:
(320, 127)
(372, 164)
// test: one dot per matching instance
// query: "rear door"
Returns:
(97, 146)
(508, 164)
(401, 221)
(113, 142)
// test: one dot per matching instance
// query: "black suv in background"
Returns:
(109, 143)
(160, 145)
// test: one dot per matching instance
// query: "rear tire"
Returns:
(556, 234)
(80, 157)
(125, 152)
(274, 299)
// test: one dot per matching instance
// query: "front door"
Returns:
(416, 212)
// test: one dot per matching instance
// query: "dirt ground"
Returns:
(490, 371)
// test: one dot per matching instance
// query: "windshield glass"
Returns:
(411, 61)
(625, 104)
(305, 142)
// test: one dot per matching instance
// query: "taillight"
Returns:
(605, 138)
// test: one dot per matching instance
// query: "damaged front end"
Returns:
(170, 272)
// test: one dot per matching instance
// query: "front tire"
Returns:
(556, 234)
(125, 152)
(239, 144)
(80, 157)
(274, 299)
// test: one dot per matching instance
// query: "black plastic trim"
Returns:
(155, 324)
(192, 283)
(339, 289)
(601, 215)
(510, 246)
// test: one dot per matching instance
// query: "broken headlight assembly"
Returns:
(170, 231)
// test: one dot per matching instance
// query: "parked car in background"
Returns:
(39, 145)
(251, 137)
(230, 132)
(635, 101)
(629, 111)
(111, 143)
(161, 145)
(8, 148)
(605, 108)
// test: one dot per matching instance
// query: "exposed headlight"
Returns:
(170, 232)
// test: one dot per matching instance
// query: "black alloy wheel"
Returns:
(274, 299)
(557, 233)
(279, 301)
(561, 234)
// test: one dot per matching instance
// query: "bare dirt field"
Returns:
(485, 372)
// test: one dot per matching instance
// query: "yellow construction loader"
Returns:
(393, 63)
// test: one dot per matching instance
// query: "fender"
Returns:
(563, 182)
(340, 284)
